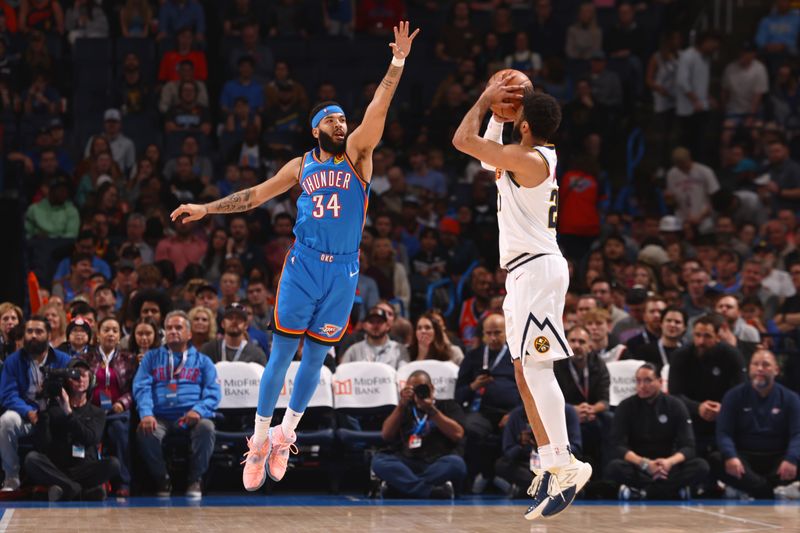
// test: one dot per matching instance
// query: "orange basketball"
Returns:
(515, 77)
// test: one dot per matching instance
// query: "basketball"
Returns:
(515, 77)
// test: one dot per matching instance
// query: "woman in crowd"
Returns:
(114, 369)
(145, 337)
(215, 254)
(58, 323)
(204, 325)
(10, 317)
(135, 18)
(79, 337)
(429, 342)
(450, 338)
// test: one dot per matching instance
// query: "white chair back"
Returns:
(323, 396)
(364, 385)
(444, 375)
(623, 379)
(239, 383)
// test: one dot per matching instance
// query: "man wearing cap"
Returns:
(78, 280)
(21, 384)
(122, 149)
(79, 337)
(206, 296)
(234, 346)
(377, 347)
(55, 216)
(66, 441)
(689, 188)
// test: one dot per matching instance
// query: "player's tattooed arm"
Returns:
(233, 203)
(392, 77)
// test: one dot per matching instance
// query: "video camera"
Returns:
(54, 380)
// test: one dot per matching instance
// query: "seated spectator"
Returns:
(234, 345)
(203, 321)
(601, 290)
(243, 86)
(182, 249)
(524, 58)
(753, 272)
(176, 16)
(200, 164)
(46, 16)
(260, 297)
(389, 274)
(85, 20)
(241, 245)
(122, 148)
(377, 346)
(429, 342)
(78, 280)
(23, 400)
(584, 37)
(66, 439)
(758, 433)
(428, 435)
(486, 387)
(585, 382)
(735, 331)
(284, 122)
(135, 19)
(145, 335)
(475, 308)
(57, 319)
(339, 18)
(282, 75)
(113, 369)
(659, 353)
(745, 82)
(784, 176)
(133, 95)
(78, 338)
(105, 301)
(700, 375)
(10, 318)
(55, 216)
(689, 187)
(606, 85)
(598, 323)
(168, 70)
(188, 115)
(263, 59)
(176, 393)
(238, 15)
(653, 310)
(633, 324)
(695, 300)
(653, 443)
(170, 92)
(519, 446)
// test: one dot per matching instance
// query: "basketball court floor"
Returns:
(311, 514)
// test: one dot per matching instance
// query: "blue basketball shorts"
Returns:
(315, 294)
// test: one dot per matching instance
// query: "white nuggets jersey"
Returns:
(527, 216)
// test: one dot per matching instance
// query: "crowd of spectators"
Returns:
(689, 261)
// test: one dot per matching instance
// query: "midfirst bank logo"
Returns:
(360, 386)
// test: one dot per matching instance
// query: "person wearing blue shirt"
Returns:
(174, 15)
(244, 86)
(84, 244)
(778, 31)
(176, 390)
(21, 384)
(758, 432)
(424, 177)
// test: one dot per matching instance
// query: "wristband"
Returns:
(398, 62)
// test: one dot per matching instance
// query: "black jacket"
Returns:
(56, 433)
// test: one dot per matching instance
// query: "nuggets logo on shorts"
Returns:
(541, 344)
(330, 330)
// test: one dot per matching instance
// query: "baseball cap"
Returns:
(636, 295)
(112, 114)
(377, 312)
(204, 288)
(670, 224)
(127, 264)
(235, 309)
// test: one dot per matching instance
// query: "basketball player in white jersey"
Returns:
(538, 278)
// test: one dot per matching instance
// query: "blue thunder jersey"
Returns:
(333, 205)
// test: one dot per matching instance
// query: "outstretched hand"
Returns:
(401, 46)
(192, 211)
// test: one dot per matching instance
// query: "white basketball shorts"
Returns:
(533, 308)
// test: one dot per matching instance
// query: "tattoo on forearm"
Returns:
(234, 203)
(389, 80)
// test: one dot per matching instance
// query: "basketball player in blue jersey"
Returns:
(320, 273)
(538, 277)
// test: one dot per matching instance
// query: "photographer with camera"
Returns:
(67, 436)
(22, 384)
(428, 434)
(487, 389)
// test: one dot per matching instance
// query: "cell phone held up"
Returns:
(422, 391)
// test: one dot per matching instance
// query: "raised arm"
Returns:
(246, 199)
(368, 134)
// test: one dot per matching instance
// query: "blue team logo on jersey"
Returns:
(330, 330)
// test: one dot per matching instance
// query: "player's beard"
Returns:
(329, 145)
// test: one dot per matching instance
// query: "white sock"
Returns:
(550, 403)
(290, 421)
(262, 429)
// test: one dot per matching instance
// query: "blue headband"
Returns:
(324, 112)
